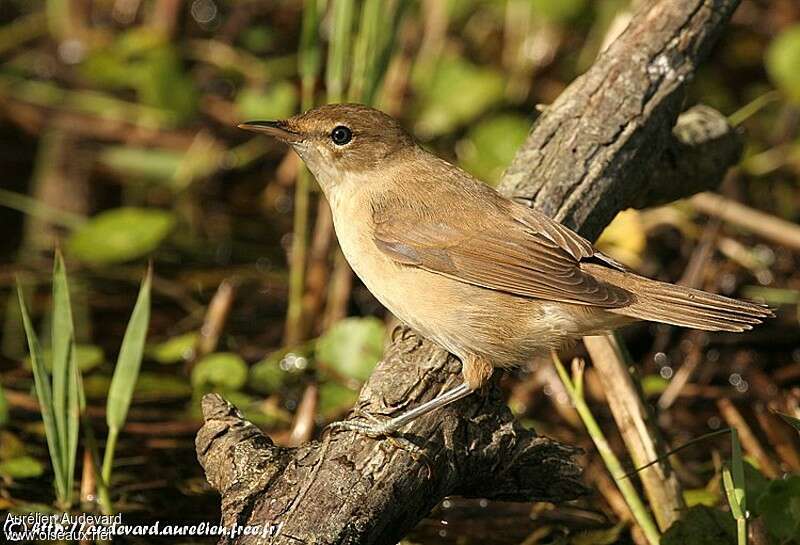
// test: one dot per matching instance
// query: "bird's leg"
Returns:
(388, 427)
(476, 373)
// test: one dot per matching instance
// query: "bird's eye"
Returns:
(341, 135)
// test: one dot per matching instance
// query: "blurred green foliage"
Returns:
(489, 145)
(150, 386)
(88, 356)
(223, 371)
(352, 347)
(146, 61)
(157, 165)
(22, 467)
(559, 11)
(702, 525)
(783, 62)
(120, 234)
(779, 505)
(278, 101)
(173, 350)
(453, 92)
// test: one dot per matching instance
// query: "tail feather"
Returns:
(678, 305)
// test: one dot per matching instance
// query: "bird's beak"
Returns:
(278, 129)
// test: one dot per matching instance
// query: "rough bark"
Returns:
(609, 142)
(594, 150)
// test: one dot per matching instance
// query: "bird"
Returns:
(488, 279)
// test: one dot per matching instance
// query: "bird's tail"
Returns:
(678, 305)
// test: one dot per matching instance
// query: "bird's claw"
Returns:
(371, 430)
(376, 429)
(382, 429)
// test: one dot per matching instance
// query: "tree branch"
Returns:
(585, 159)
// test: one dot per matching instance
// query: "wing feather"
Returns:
(501, 246)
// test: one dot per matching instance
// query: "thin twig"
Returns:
(759, 223)
(574, 387)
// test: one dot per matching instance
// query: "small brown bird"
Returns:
(487, 279)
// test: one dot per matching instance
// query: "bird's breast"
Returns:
(411, 294)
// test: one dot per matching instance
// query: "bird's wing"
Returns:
(501, 246)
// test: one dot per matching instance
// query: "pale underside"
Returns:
(483, 278)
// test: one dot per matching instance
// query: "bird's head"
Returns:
(340, 141)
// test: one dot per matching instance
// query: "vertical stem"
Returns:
(641, 435)
(103, 495)
(309, 67)
(339, 51)
(108, 455)
(575, 391)
(741, 531)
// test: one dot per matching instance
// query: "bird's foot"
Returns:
(382, 428)
(376, 428)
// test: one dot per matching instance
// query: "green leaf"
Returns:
(143, 60)
(265, 415)
(126, 372)
(701, 525)
(88, 357)
(161, 386)
(257, 38)
(334, 399)
(11, 446)
(754, 484)
(62, 339)
(129, 360)
(120, 234)
(558, 11)
(352, 346)
(653, 385)
(23, 467)
(223, 370)
(41, 380)
(779, 506)
(791, 420)
(66, 376)
(454, 94)
(149, 387)
(267, 376)
(782, 60)
(700, 496)
(174, 350)
(491, 144)
(148, 163)
(737, 475)
(279, 101)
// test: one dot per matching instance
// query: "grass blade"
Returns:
(74, 391)
(791, 420)
(376, 34)
(126, 372)
(737, 470)
(733, 482)
(339, 50)
(42, 381)
(62, 340)
(365, 51)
